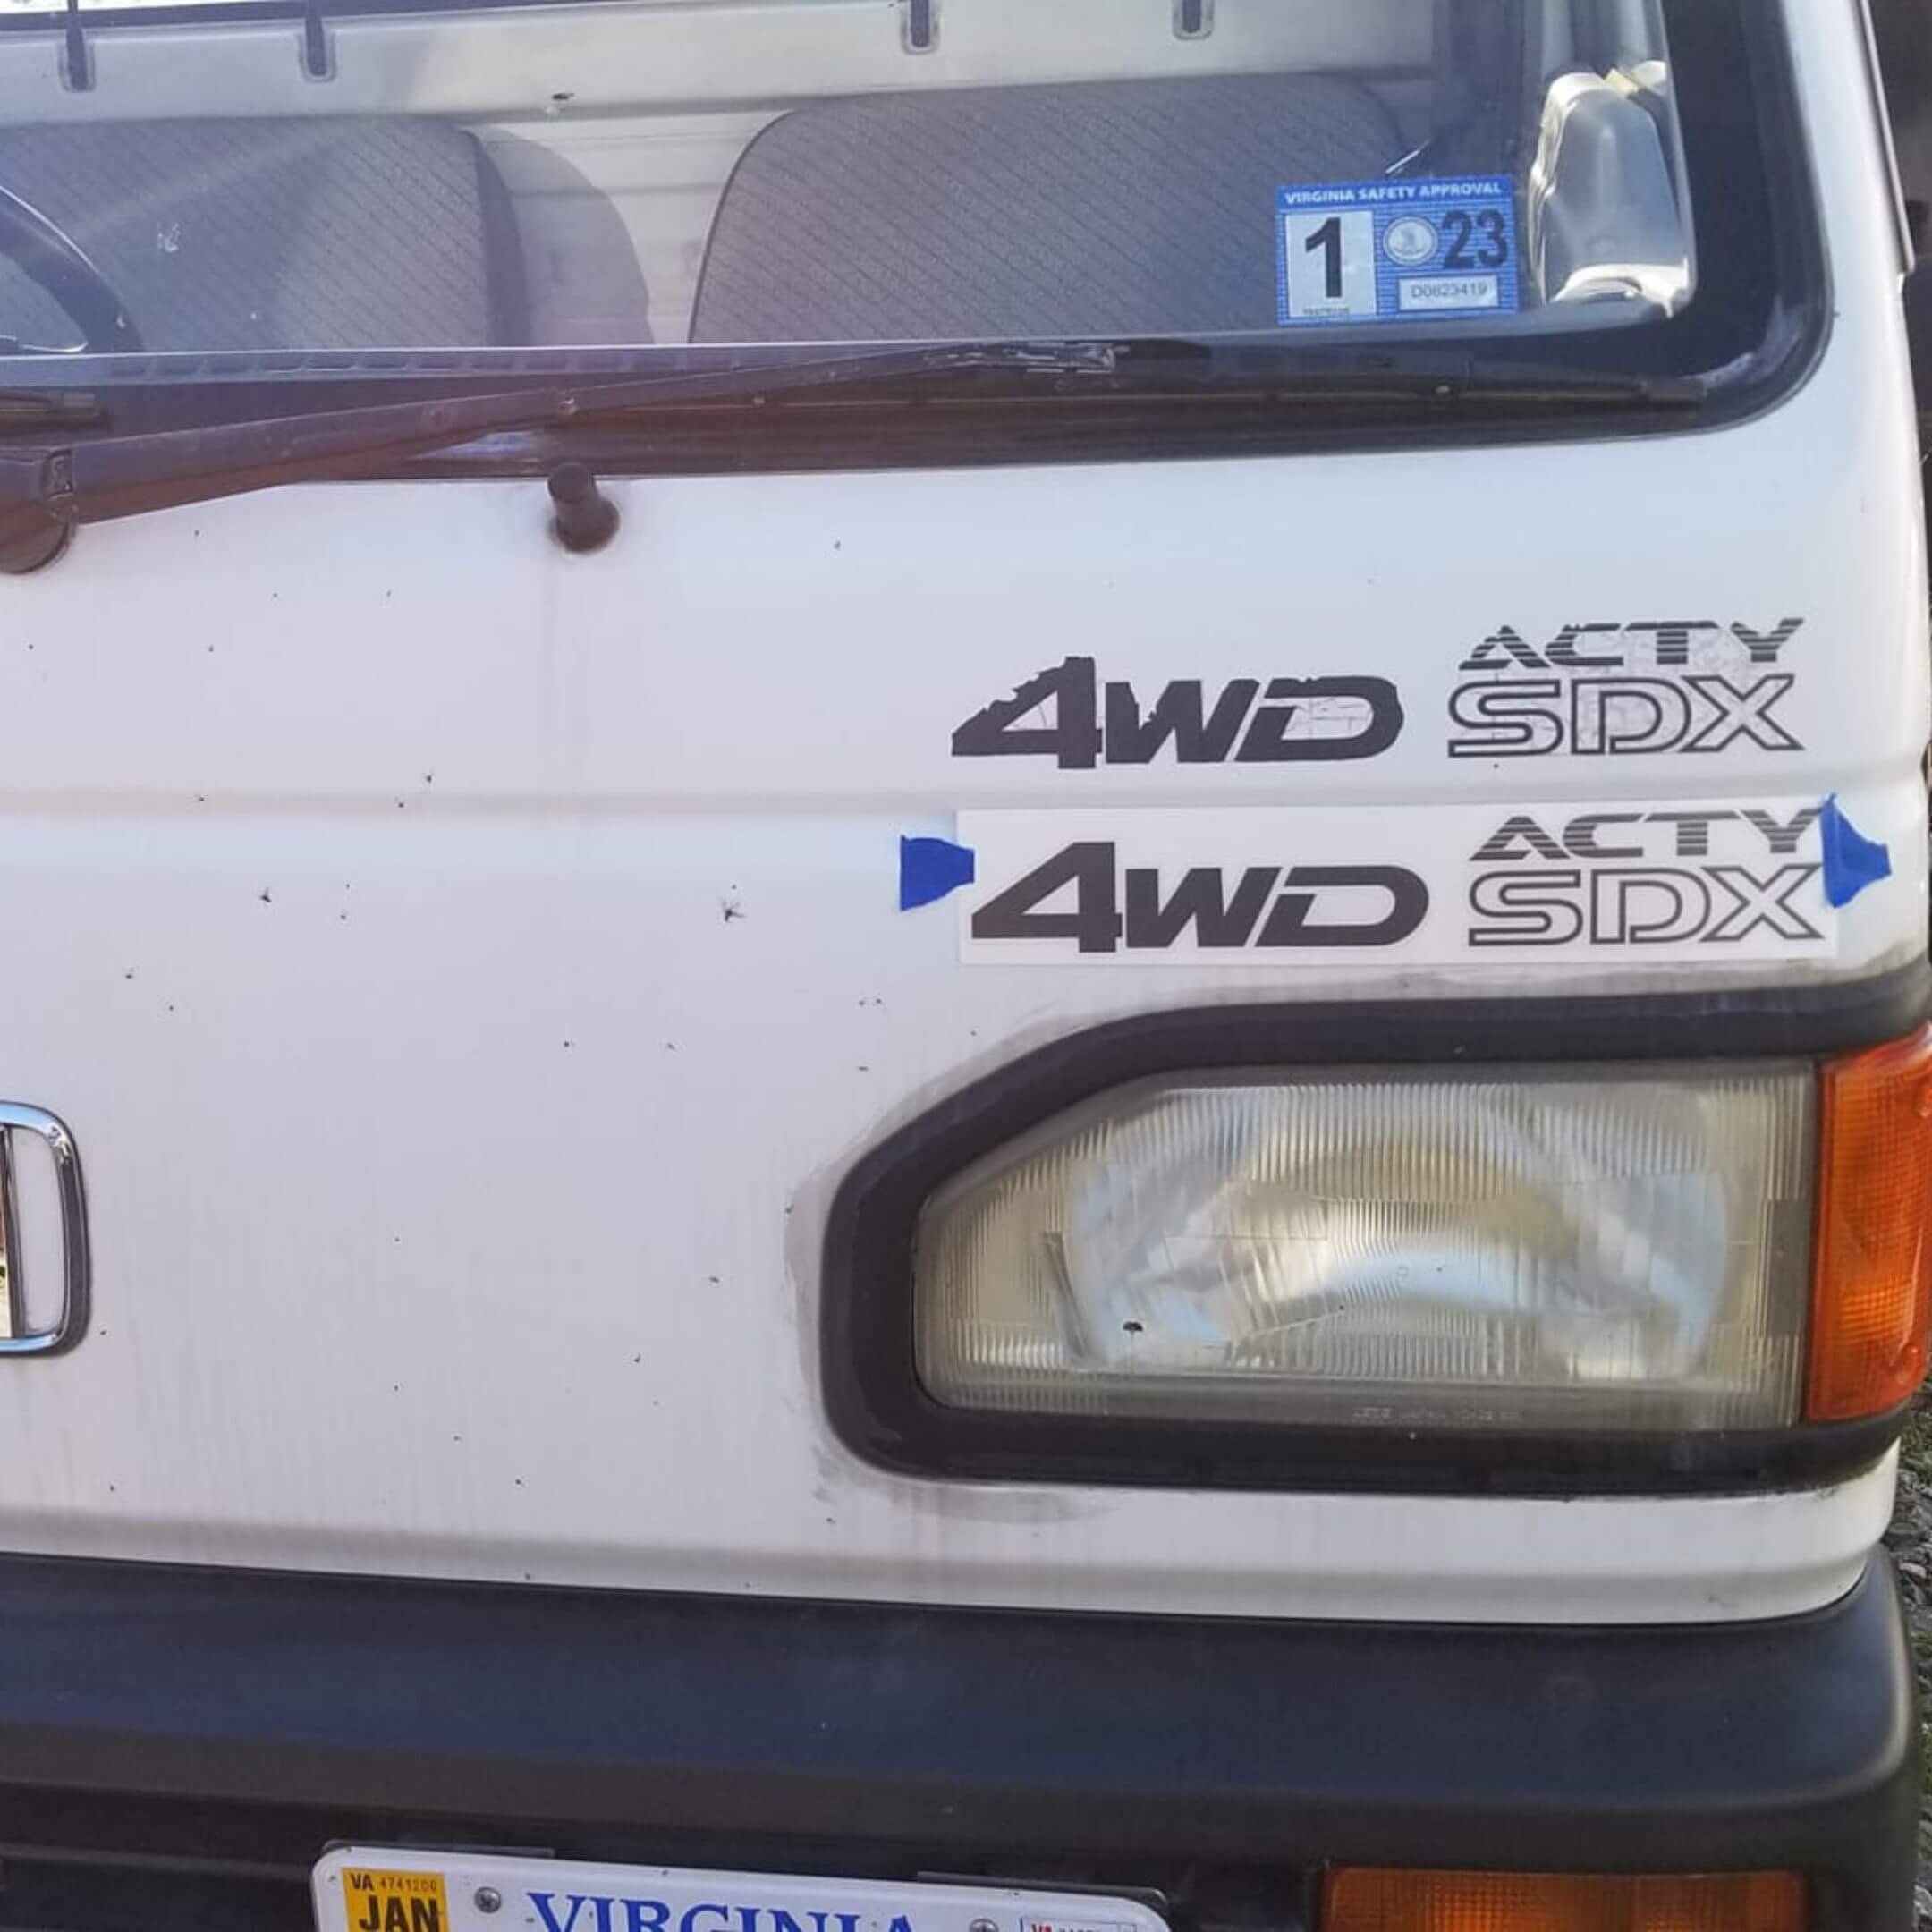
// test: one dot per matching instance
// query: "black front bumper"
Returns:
(176, 1745)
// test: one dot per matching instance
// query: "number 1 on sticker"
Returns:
(1331, 267)
(1327, 239)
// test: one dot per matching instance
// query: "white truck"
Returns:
(965, 966)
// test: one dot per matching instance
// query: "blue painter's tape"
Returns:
(929, 868)
(1852, 860)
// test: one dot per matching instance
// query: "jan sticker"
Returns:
(396, 1901)
(1394, 251)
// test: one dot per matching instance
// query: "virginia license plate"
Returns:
(373, 1890)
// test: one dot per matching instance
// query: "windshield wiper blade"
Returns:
(1405, 374)
(46, 493)
(1483, 380)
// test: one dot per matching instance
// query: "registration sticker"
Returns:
(1397, 251)
(394, 1901)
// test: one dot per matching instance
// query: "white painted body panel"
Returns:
(458, 1166)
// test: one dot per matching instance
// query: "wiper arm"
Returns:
(46, 493)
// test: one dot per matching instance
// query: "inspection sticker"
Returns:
(1395, 250)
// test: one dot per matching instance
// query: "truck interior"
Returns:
(256, 179)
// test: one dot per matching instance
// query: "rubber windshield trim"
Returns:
(1754, 330)
(878, 1409)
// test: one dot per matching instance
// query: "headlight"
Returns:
(1512, 1248)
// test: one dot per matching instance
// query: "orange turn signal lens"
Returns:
(1871, 1299)
(1356, 1899)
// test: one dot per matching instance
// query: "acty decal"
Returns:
(1624, 690)
(1634, 878)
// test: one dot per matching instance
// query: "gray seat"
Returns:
(1116, 208)
(332, 234)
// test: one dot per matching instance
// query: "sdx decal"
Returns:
(1626, 690)
(1283, 721)
(1715, 878)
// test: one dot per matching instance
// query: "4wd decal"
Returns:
(1114, 906)
(1065, 714)
(1273, 885)
(1627, 690)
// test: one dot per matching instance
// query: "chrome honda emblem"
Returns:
(20, 1338)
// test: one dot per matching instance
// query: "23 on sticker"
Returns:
(396, 1901)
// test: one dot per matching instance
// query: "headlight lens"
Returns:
(1495, 1249)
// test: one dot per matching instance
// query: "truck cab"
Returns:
(966, 967)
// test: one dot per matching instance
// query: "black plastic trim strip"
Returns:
(879, 1409)
(887, 1740)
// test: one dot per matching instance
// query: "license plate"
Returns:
(374, 1890)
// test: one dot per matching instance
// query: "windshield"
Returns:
(281, 192)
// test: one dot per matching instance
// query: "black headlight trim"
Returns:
(878, 1409)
